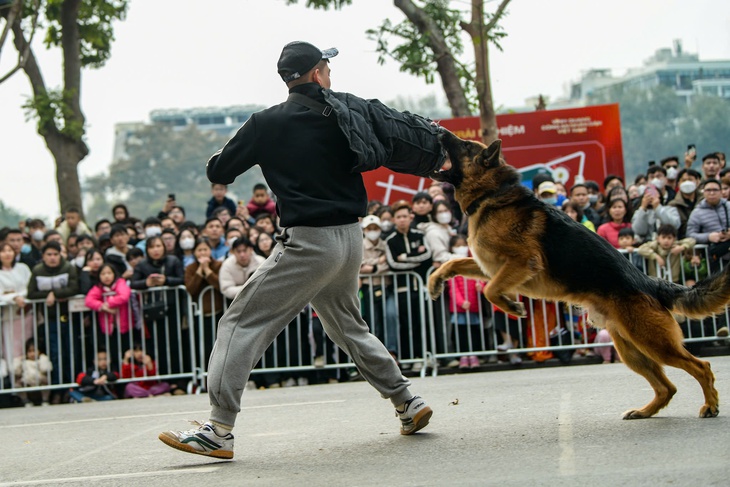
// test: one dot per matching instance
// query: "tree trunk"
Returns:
(479, 34)
(445, 63)
(67, 151)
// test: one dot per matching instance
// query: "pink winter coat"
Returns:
(120, 301)
(459, 293)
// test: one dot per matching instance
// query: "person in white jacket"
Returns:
(238, 267)
(31, 370)
(17, 324)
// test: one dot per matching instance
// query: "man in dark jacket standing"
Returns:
(307, 154)
(55, 280)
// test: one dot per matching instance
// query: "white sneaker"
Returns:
(414, 416)
(290, 382)
(302, 381)
(202, 441)
(417, 367)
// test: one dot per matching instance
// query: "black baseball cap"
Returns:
(298, 57)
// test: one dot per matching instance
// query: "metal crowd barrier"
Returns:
(70, 335)
(419, 332)
(561, 329)
(396, 315)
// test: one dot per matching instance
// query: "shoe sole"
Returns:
(420, 420)
(170, 440)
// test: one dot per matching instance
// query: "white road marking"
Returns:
(136, 416)
(91, 478)
(565, 437)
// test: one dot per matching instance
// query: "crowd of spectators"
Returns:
(656, 221)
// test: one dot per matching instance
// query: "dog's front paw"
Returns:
(517, 308)
(435, 286)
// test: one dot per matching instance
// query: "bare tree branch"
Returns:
(497, 15)
(25, 52)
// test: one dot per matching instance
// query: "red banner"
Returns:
(573, 145)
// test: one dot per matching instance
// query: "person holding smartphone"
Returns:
(654, 210)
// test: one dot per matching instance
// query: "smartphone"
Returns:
(241, 203)
(652, 163)
(171, 196)
(692, 151)
(651, 190)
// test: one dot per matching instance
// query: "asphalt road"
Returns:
(557, 426)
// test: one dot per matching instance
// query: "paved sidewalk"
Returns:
(552, 426)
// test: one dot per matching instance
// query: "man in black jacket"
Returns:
(308, 155)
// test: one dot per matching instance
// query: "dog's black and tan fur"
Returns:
(523, 246)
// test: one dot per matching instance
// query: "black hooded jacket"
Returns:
(312, 162)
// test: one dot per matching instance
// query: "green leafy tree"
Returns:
(431, 41)
(160, 160)
(82, 29)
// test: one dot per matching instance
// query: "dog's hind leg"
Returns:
(465, 266)
(669, 350)
(643, 365)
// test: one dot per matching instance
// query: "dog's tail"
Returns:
(704, 298)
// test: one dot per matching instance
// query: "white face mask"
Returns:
(152, 231)
(444, 217)
(462, 251)
(372, 235)
(187, 243)
(642, 188)
(688, 187)
(592, 198)
(231, 241)
(37, 235)
(386, 225)
(672, 173)
(79, 261)
(658, 183)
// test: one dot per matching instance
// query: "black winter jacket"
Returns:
(312, 163)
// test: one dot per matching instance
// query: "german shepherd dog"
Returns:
(524, 246)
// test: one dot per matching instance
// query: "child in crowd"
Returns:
(138, 364)
(665, 253)
(218, 199)
(422, 205)
(626, 239)
(110, 299)
(96, 384)
(464, 307)
(261, 203)
(32, 370)
(134, 257)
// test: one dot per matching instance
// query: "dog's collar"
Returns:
(474, 206)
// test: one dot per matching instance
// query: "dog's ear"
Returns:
(490, 156)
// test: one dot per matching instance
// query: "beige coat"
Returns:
(375, 254)
(232, 276)
(651, 250)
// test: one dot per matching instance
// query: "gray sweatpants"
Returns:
(317, 265)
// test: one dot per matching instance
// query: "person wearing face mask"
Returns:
(385, 213)
(438, 231)
(653, 211)
(547, 192)
(579, 196)
(382, 319)
(184, 248)
(687, 197)
(152, 227)
(671, 165)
